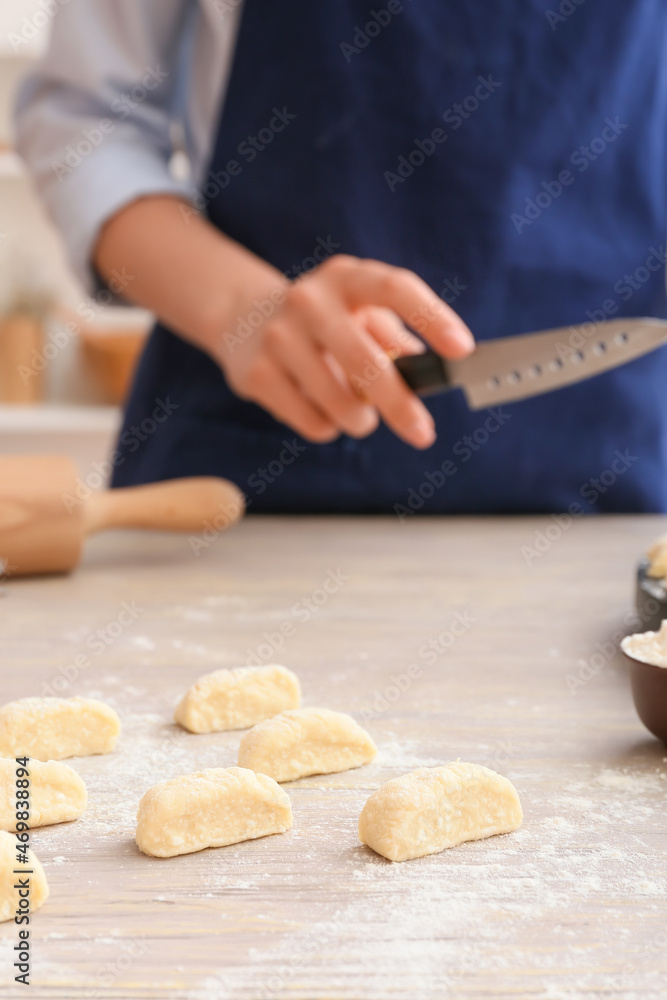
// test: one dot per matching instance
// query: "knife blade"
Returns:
(507, 369)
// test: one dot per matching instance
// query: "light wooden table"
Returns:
(572, 907)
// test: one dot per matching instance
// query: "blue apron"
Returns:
(512, 154)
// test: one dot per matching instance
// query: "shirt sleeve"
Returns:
(93, 120)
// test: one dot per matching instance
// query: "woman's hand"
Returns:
(317, 352)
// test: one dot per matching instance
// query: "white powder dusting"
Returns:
(648, 647)
(141, 642)
(199, 650)
(189, 614)
(232, 601)
(462, 921)
(639, 784)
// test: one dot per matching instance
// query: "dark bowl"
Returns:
(650, 599)
(649, 690)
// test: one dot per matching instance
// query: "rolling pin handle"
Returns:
(171, 505)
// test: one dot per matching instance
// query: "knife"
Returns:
(511, 368)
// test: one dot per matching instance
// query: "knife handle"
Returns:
(425, 373)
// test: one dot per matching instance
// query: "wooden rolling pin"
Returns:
(43, 523)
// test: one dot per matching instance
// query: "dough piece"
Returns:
(238, 698)
(658, 559)
(306, 741)
(437, 807)
(54, 728)
(10, 901)
(57, 793)
(211, 808)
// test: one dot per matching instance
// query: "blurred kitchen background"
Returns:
(65, 360)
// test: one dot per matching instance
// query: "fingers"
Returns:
(372, 419)
(324, 364)
(326, 318)
(391, 333)
(374, 375)
(276, 392)
(370, 282)
(322, 380)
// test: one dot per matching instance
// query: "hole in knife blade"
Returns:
(514, 377)
(578, 356)
(622, 338)
(556, 364)
(535, 371)
(600, 347)
(493, 382)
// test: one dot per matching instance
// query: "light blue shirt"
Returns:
(95, 118)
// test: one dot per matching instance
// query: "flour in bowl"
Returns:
(648, 647)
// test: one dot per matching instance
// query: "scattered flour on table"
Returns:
(150, 750)
(76, 635)
(141, 642)
(405, 755)
(226, 601)
(189, 614)
(196, 649)
(639, 784)
(452, 915)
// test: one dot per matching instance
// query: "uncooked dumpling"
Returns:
(55, 728)
(33, 891)
(657, 555)
(238, 698)
(437, 807)
(57, 793)
(211, 808)
(306, 741)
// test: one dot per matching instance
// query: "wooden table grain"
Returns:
(486, 639)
